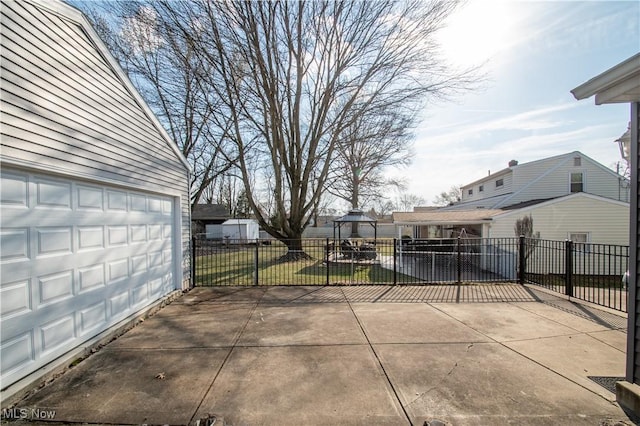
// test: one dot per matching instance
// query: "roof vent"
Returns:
(513, 163)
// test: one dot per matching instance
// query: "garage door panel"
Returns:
(13, 191)
(89, 198)
(92, 317)
(15, 298)
(55, 334)
(53, 241)
(52, 194)
(14, 244)
(75, 259)
(51, 295)
(17, 353)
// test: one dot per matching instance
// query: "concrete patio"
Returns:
(461, 355)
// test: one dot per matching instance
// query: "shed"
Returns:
(239, 231)
(208, 218)
(95, 209)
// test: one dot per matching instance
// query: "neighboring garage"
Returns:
(94, 200)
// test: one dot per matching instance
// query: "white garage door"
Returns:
(76, 258)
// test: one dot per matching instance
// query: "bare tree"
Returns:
(524, 227)
(294, 76)
(383, 207)
(371, 143)
(163, 66)
(406, 202)
(446, 198)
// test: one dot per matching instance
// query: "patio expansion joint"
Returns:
(226, 358)
(502, 343)
(379, 361)
(300, 345)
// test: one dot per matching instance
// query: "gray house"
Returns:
(94, 201)
(621, 84)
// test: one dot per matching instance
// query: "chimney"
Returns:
(513, 163)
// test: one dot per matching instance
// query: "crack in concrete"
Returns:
(436, 386)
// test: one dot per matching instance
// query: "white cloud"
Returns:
(543, 118)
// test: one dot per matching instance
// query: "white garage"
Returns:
(94, 199)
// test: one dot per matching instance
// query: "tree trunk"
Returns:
(355, 199)
(295, 251)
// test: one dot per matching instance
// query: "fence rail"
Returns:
(593, 272)
(596, 273)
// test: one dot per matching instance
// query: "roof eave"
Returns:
(607, 86)
(443, 222)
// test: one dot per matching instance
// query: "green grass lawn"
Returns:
(236, 266)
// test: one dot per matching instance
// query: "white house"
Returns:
(94, 205)
(621, 84)
(569, 196)
(544, 179)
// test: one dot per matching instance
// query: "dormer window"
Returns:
(499, 183)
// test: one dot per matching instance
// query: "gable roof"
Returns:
(477, 216)
(502, 200)
(543, 203)
(487, 203)
(77, 18)
(210, 211)
(620, 83)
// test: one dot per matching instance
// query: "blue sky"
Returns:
(533, 53)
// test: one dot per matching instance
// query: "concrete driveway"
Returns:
(376, 355)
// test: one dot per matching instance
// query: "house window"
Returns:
(577, 182)
(481, 188)
(470, 192)
(577, 161)
(580, 241)
(499, 182)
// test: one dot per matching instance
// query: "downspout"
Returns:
(632, 343)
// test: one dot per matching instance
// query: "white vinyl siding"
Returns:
(545, 179)
(489, 188)
(66, 109)
(607, 222)
(551, 178)
(95, 207)
(45, 96)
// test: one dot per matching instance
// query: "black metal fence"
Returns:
(596, 273)
(328, 262)
(592, 272)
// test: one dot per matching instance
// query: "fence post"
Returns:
(459, 262)
(193, 262)
(327, 258)
(395, 263)
(255, 265)
(568, 268)
(522, 261)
